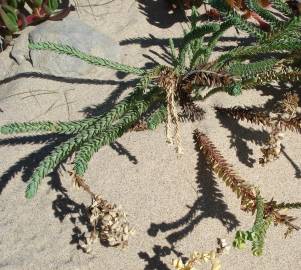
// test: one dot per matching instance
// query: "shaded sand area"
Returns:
(176, 205)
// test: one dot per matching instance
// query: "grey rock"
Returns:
(6, 64)
(20, 52)
(77, 34)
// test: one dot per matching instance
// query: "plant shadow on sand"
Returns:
(63, 205)
(209, 204)
(153, 42)
(239, 138)
(160, 14)
(155, 262)
(241, 135)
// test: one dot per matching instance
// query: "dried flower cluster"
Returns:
(108, 221)
(197, 258)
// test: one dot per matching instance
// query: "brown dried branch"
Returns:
(259, 117)
(293, 124)
(79, 182)
(243, 190)
(219, 165)
(249, 114)
(272, 208)
(204, 77)
(192, 112)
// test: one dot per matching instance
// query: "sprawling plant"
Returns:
(169, 94)
(15, 15)
(259, 10)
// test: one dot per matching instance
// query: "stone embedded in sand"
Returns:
(73, 32)
(20, 51)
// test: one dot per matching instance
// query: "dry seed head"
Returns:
(289, 104)
(109, 223)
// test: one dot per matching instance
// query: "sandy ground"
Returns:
(175, 205)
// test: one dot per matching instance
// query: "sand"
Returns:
(176, 205)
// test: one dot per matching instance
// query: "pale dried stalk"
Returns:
(284, 113)
(168, 81)
(78, 182)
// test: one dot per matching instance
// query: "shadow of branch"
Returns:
(31, 161)
(209, 204)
